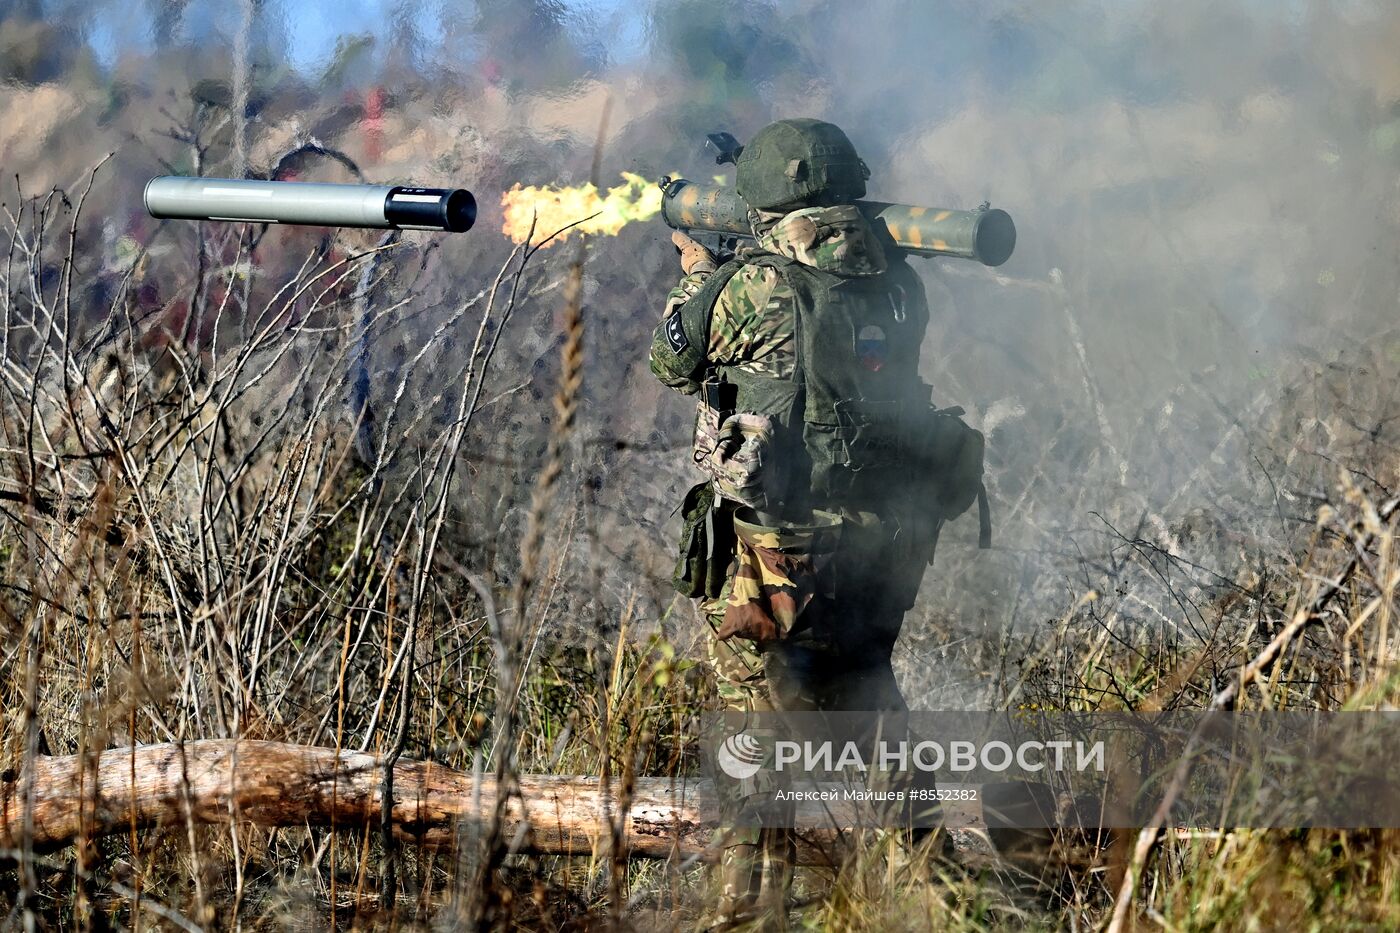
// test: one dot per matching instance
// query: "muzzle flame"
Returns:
(552, 209)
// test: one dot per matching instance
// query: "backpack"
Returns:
(852, 427)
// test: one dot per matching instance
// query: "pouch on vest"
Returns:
(736, 452)
(715, 404)
(950, 455)
(706, 545)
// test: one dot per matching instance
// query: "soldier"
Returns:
(803, 352)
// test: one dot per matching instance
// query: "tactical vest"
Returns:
(851, 430)
(841, 420)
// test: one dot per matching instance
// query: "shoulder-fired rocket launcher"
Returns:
(986, 234)
(299, 202)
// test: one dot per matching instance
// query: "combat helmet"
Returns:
(797, 163)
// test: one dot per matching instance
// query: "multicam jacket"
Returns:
(753, 324)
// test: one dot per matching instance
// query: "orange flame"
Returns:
(551, 209)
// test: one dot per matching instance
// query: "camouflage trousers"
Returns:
(819, 647)
(755, 865)
(808, 616)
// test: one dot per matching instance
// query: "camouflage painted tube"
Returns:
(986, 235)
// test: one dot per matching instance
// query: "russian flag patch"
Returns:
(871, 347)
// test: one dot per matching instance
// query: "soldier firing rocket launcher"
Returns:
(986, 235)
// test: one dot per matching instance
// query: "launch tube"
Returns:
(986, 235)
(297, 202)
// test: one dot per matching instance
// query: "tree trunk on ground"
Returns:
(276, 784)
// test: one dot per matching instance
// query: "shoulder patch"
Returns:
(675, 335)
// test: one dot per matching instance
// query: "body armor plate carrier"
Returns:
(852, 428)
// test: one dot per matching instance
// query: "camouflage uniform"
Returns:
(839, 658)
(831, 468)
(777, 570)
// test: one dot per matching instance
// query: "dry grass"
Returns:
(210, 527)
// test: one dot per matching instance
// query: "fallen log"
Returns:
(276, 784)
